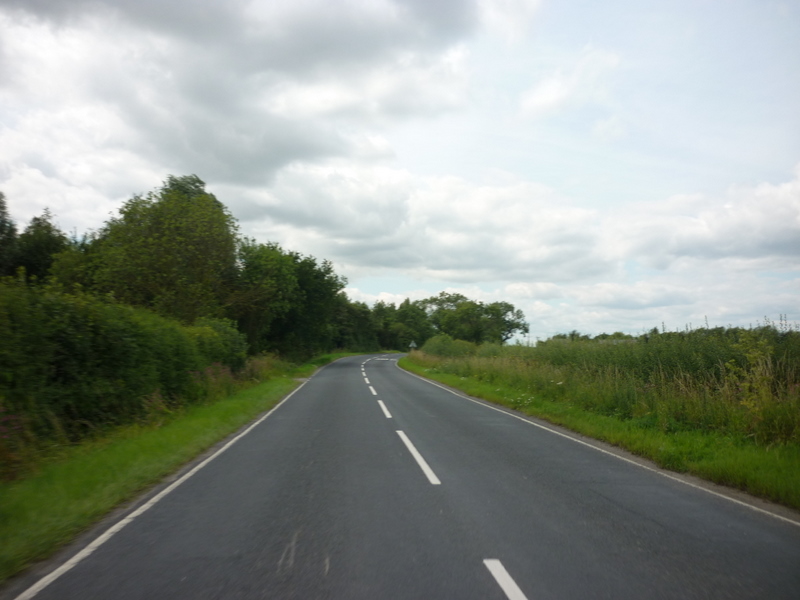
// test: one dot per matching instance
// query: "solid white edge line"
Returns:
(418, 457)
(504, 580)
(109, 533)
(372, 389)
(617, 456)
(385, 410)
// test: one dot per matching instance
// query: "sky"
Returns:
(603, 166)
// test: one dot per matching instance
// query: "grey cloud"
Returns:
(192, 80)
(753, 225)
(291, 35)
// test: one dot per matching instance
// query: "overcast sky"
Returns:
(603, 166)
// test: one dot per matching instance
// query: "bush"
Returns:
(218, 341)
(444, 345)
(73, 362)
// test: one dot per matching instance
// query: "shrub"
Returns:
(444, 345)
(73, 362)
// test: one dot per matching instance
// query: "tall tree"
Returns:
(265, 288)
(308, 326)
(503, 321)
(8, 239)
(412, 324)
(75, 264)
(355, 326)
(473, 321)
(38, 244)
(173, 250)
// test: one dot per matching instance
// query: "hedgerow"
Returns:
(73, 362)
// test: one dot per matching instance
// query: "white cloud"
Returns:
(510, 19)
(584, 81)
(747, 228)
(677, 261)
(233, 92)
(448, 228)
(411, 84)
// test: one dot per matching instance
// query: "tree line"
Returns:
(177, 252)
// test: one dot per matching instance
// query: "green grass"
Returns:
(768, 472)
(65, 495)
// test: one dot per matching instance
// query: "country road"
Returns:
(369, 482)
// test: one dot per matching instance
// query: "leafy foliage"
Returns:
(71, 362)
(37, 245)
(173, 251)
(8, 239)
(265, 288)
(473, 321)
(307, 328)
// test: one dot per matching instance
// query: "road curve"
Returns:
(369, 482)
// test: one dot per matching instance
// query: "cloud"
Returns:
(748, 227)
(679, 261)
(444, 227)
(580, 83)
(233, 91)
(510, 19)
(291, 111)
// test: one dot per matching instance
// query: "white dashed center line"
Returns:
(420, 461)
(504, 580)
(385, 410)
(372, 389)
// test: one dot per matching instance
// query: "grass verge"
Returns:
(48, 508)
(768, 472)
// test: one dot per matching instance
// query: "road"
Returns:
(369, 482)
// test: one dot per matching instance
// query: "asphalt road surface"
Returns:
(369, 482)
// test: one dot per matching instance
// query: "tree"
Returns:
(75, 265)
(308, 326)
(355, 326)
(173, 251)
(503, 321)
(38, 244)
(473, 321)
(8, 239)
(412, 324)
(265, 288)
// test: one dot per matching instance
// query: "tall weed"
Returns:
(742, 382)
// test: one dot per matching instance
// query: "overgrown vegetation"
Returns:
(723, 403)
(730, 380)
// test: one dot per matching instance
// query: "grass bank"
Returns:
(771, 472)
(67, 493)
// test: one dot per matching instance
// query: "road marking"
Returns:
(366, 380)
(508, 585)
(617, 456)
(385, 410)
(420, 461)
(372, 389)
(109, 533)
